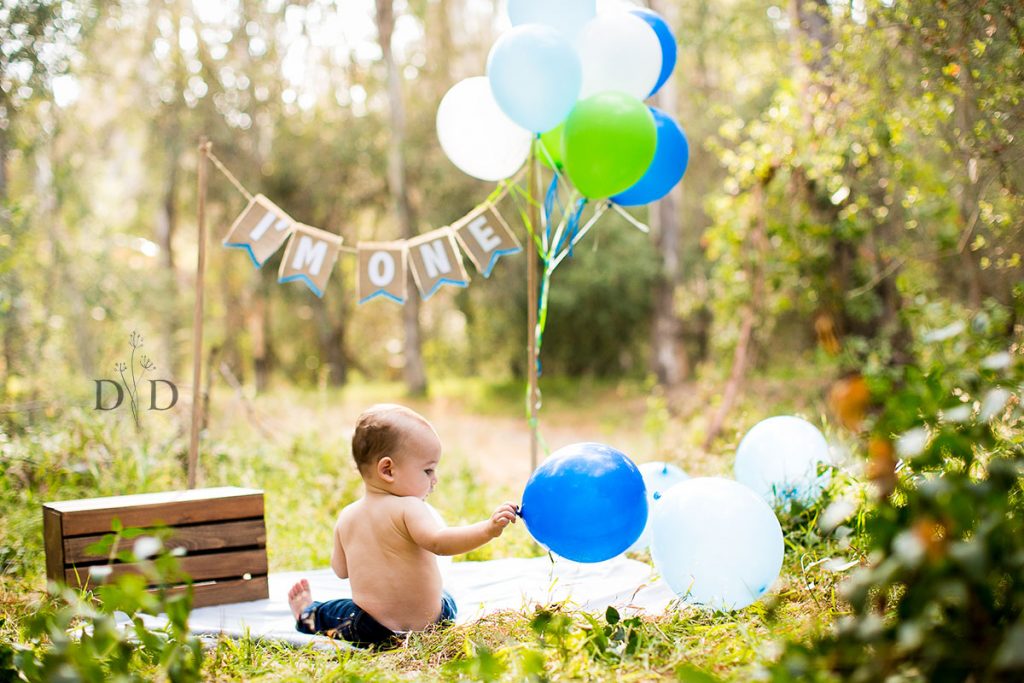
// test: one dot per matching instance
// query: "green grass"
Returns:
(306, 472)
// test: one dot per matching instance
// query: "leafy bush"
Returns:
(943, 595)
(75, 637)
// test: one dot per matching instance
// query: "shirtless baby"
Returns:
(387, 542)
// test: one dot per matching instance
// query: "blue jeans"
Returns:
(346, 620)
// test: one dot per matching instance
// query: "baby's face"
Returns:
(415, 469)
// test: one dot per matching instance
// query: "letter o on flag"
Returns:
(381, 269)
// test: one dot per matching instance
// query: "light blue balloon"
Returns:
(779, 457)
(659, 477)
(671, 157)
(586, 502)
(535, 76)
(716, 543)
(566, 16)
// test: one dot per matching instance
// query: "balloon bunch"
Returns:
(716, 542)
(576, 81)
(567, 85)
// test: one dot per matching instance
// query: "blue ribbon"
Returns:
(551, 200)
(572, 228)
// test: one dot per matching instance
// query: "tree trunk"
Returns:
(331, 337)
(166, 225)
(741, 357)
(668, 358)
(259, 330)
(970, 193)
(732, 387)
(7, 310)
(4, 113)
(415, 377)
(443, 48)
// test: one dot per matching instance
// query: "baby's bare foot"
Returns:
(299, 597)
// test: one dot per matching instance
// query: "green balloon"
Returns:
(552, 142)
(609, 142)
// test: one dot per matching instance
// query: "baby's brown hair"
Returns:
(379, 432)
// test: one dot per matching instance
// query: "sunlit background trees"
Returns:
(855, 164)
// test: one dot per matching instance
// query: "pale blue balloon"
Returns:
(566, 16)
(535, 76)
(716, 543)
(779, 458)
(659, 477)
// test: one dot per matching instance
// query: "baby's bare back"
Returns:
(392, 578)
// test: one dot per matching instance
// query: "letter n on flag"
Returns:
(309, 257)
(435, 260)
(382, 271)
(485, 237)
(261, 230)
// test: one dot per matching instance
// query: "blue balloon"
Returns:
(671, 157)
(568, 16)
(586, 502)
(659, 477)
(667, 41)
(535, 76)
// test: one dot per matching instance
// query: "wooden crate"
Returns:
(222, 531)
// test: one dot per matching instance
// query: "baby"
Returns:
(387, 542)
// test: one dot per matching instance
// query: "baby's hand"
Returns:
(505, 513)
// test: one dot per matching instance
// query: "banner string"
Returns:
(549, 247)
(227, 174)
(249, 196)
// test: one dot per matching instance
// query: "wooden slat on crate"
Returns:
(53, 538)
(218, 536)
(227, 592)
(227, 565)
(96, 515)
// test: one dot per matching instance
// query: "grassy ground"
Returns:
(294, 445)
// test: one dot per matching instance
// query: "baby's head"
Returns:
(396, 449)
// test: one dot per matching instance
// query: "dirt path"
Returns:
(497, 446)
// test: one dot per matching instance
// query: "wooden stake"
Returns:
(197, 319)
(535, 192)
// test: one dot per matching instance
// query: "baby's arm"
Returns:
(338, 561)
(428, 534)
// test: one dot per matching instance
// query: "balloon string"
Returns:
(550, 202)
(562, 224)
(580, 234)
(520, 195)
(629, 217)
(572, 228)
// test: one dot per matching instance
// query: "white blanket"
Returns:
(479, 588)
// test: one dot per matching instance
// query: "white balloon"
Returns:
(778, 458)
(476, 135)
(619, 51)
(716, 543)
(659, 477)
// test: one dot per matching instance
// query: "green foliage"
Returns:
(577, 643)
(943, 595)
(75, 636)
(599, 302)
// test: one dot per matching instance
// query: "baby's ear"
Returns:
(384, 468)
